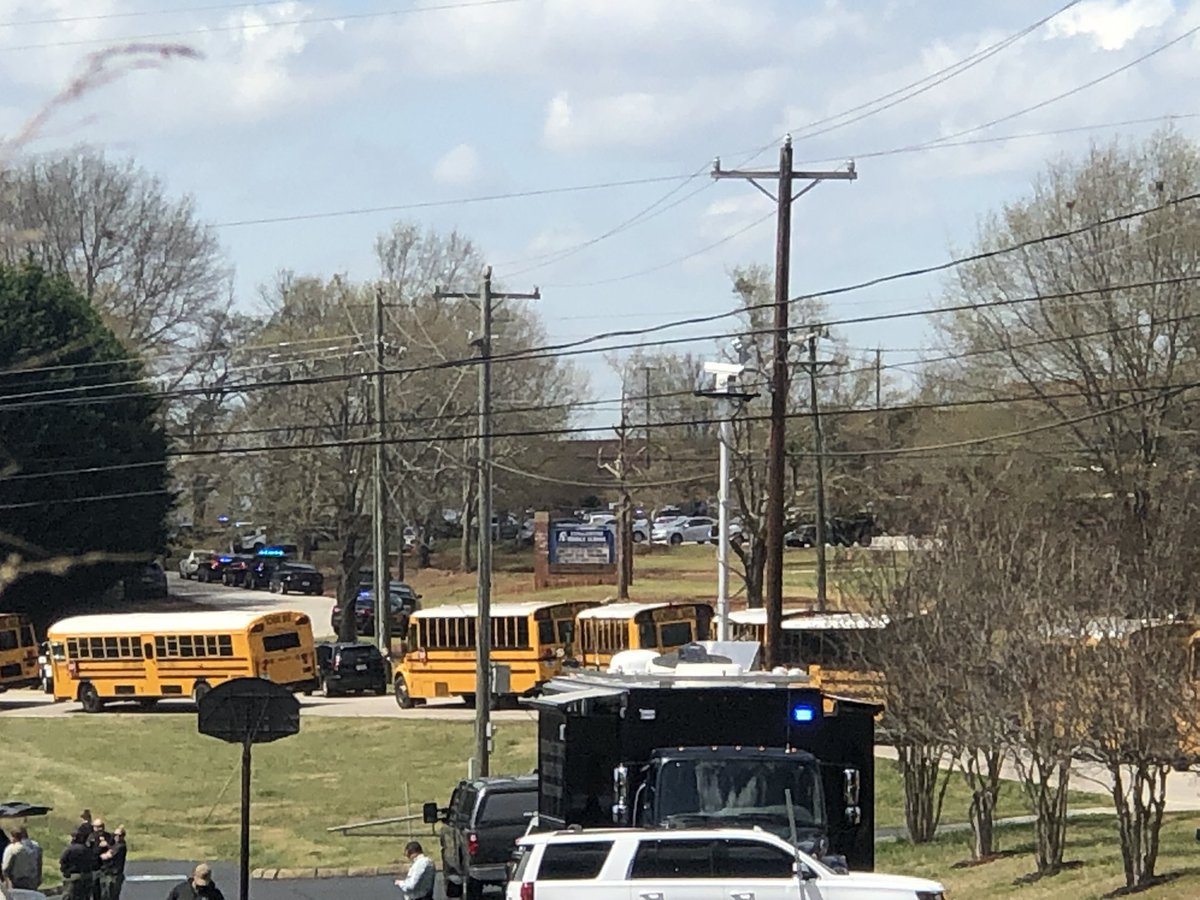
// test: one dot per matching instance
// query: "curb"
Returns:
(322, 872)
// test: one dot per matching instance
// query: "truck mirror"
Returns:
(429, 813)
(803, 872)
(620, 794)
(851, 786)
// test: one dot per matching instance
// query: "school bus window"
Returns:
(8, 640)
(545, 632)
(288, 640)
(566, 631)
(674, 634)
(225, 644)
(56, 651)
(646, 636)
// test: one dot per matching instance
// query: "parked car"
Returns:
(641, 530)
(404, 601)
(299, 577)
(214, 568)
(149, 582)
(190, 564)
(844, 531)
(259, 575)
(682, 528)
(479, 827)
(345, 668)
(685, 863)
(234, 573)
(736, 532)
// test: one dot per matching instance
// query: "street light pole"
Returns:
(726, 390)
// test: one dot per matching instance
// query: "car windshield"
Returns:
(750, 791)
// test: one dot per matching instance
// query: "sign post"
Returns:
(248, 711)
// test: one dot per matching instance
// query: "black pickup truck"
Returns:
(479, 828)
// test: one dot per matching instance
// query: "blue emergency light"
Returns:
(803, 713)
(272, 551)
(225, 559)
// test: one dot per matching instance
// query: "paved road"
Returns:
(35, 704)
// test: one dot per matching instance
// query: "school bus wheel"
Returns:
(403, 700)
(89, 697)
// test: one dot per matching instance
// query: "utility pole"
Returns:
(819, 458)
(646, 421)
(483, 589)
(624, 537)
(878, 377)
(776, 462)
(383, 610)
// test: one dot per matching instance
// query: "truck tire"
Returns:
(454, 889)
(89, 698)
(472, 889)
(400, 689)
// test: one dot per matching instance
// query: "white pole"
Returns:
(723, 538)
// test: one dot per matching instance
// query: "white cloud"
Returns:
(1110, 23)
(650, 118)
(459, 167)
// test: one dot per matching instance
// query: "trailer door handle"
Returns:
(652, 895)
(742, 895)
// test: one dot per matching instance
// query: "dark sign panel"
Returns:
(581, 545)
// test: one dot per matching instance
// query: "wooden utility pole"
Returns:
(776, 459)
(483, 587)
(878, 378)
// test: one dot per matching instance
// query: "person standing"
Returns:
(418, 884)
(99, 842)
(84, 829)
(199, 886)
(78, 866)
(22, 862)
(112, 866)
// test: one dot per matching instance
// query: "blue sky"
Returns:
(303, 108)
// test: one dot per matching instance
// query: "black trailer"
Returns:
(709, 751)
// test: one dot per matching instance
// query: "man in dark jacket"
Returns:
(112, 866)
(84, 829)
(199, 887)
(78, 865)
(99, 842)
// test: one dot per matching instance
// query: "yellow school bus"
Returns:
(613, 627)
(836, 648)
(18, 652)
(147, 657)
(530, 641)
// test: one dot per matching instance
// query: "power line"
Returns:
(139, 13)
(313, 20)
(457, 201)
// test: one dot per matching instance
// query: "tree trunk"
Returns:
(752, 555)
(423, 549)
(351, 563)
(1045, 783)
(1140, 796)
(925, 783)
(981, 769)
(624, 547)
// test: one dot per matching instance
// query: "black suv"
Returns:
(346, 668)
(483, 821)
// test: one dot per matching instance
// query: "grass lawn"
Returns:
(1092, 843)
(177, 791)
(687, 572)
